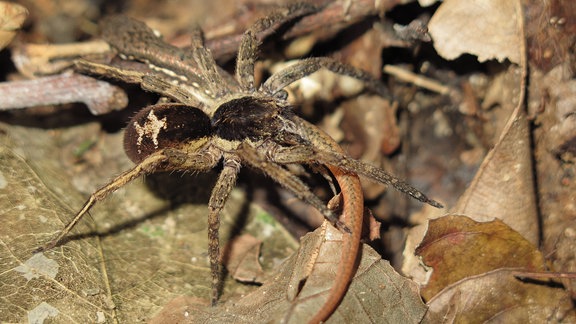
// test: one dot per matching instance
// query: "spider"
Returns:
(219, 119)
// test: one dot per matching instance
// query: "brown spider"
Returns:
(220, 118)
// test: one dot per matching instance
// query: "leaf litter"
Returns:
(142, 255)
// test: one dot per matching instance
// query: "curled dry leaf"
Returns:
(504, 186)
(12, 17)
(469, 278)
(241, 258)
(499, 297)
(489, 29)
(457, 247)
(43, 59)
(377, 294)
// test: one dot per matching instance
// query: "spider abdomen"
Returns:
(162, 126)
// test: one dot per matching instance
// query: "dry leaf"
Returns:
(457, 247)
(499, 297)
(64, 283)
(178, 310)
(470, 280)
(12, 16)
(504, 184)
(490, 29)
(376, 295)
(241, 258)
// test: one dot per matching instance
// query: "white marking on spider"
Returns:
(168, 72)
(150, 129)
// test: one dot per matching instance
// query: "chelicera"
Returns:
(217, 119)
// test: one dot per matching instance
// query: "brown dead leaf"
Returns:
(58, 284)
(178, 310)
(473, 279)
(12, 16)
(504, 186)
(377, 294)
(499, 297)
(490, 29)
(457, 247)
(241, 258)
(364, 52)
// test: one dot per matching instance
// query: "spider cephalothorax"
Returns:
(255, 119)
(220, 119)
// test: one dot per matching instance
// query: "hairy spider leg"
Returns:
(278, 81)
(256, 159)
(218, 198)
(183, 93)
(151, 81)
(148, 165)
(248, 49)
(208, 67)
(316, 154)
(141, 42)
(117, 73)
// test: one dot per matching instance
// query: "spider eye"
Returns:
(164, 125)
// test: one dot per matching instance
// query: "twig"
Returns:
(334, 16)
(417, 80)
(544, 275)
(100, 97)
(42, 59)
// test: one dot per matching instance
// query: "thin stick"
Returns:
(417, 80)
(100, 97)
